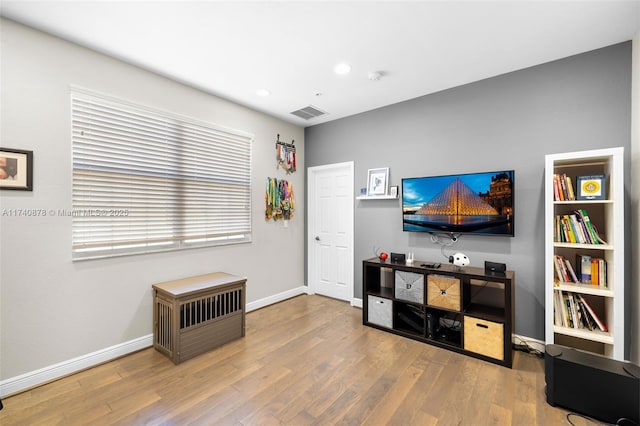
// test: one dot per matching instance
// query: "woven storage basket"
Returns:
(484, 337)
(443, 292)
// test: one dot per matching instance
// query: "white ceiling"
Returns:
(231, 49)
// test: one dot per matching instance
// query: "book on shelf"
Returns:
(595, 279)
(588, 320)
(568, 222)
(583, 262)
(556, 187)
(576, 227)
(593, 315)
(564, 270)
(573, 311)
(591, 270)
(572, 273)
(575, 320)
(591, 229)
(600, 268)
(578, 222)
(563, 187)
(560, 269)
(572, 195)
(558, 313)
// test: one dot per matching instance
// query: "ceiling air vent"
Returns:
(308, 112)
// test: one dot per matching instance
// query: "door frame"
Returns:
(311, 204)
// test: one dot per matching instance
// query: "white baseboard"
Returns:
(534, 343)
(252, 306)
(61, 369)
(356, 303)
(47, 374)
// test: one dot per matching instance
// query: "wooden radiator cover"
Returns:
(194, 315)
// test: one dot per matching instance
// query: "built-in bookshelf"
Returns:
(584, 251)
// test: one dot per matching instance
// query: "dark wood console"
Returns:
(467, 310)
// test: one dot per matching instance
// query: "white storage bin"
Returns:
(380, 311)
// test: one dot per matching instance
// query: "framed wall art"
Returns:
(377, 181)
(16, 169)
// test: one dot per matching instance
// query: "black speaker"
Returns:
(494, 266)
(593, 385)
(398, 258)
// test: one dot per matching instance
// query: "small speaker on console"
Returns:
(494, 266)
(398, 258)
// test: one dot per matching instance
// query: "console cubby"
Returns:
(410, 318)
(467, 310)
(444, 327)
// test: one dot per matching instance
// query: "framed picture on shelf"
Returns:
(393, 191)
(377, 181)
(16, 169)
(591, 187)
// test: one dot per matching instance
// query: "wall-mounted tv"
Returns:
(473, 203)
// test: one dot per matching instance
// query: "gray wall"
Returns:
(506, 122)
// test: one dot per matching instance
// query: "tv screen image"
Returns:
(473, 203)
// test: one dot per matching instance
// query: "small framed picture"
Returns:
(377, 181)
(591, 187)
(393, 191)
(16, 169)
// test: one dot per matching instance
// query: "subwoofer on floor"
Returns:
(593, 385)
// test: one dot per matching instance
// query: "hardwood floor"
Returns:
(307, 360)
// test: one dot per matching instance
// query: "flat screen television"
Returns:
(472, 203)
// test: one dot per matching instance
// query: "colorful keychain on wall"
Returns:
(286, 155)
(279, 200)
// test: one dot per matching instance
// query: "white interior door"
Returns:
(330, 230)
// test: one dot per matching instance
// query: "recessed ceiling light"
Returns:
(342, 69)
(263, 92)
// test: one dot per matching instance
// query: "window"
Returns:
(147, 181)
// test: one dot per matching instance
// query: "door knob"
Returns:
(317, 238)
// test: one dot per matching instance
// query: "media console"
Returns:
(466, 310)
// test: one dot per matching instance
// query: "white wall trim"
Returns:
(356, 303)
(252, 306)
(44, 375)
(534, 343)
(47, 374)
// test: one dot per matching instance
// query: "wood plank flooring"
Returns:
(304, 361)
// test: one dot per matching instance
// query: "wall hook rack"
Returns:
(286, 155)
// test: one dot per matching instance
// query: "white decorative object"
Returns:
(459, 259)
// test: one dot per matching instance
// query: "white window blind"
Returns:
(146, 181)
